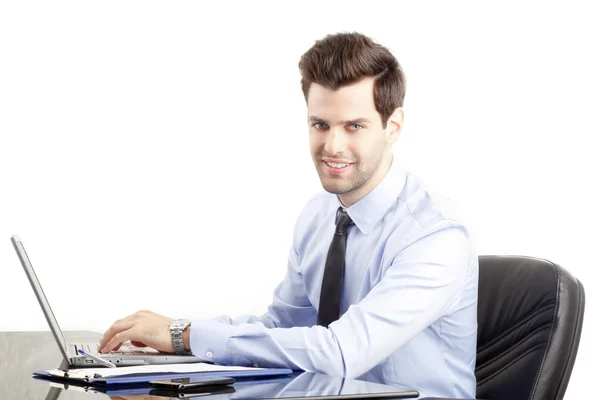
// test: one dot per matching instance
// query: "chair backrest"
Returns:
(530, 313)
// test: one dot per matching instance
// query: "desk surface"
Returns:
(24, 352)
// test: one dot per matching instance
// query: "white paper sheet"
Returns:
(90, 373)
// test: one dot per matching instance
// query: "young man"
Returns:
(382, 278)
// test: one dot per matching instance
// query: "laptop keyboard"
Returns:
(126, 349)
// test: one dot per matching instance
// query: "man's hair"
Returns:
(346, 58)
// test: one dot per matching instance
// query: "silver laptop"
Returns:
(127, 355)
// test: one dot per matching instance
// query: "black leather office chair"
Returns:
(530, 314)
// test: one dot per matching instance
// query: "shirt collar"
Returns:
(369, 210)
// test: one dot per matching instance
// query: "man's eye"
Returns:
(355, 127)
(320, 125)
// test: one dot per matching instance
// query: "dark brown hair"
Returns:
(345, 58)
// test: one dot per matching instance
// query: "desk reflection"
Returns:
(299, 385)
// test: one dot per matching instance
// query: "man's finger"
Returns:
(119, 326)
(116, 341)
(104, 338)
(115, 328)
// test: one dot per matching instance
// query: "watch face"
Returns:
(180, 324)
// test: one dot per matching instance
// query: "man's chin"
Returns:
(335, 187)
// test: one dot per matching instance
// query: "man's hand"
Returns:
(144, 328)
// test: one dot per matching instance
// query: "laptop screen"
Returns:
(39, 293)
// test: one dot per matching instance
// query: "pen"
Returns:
(102, 361)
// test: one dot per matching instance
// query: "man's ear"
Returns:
(394, 125)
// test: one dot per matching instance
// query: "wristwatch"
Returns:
(177, 327)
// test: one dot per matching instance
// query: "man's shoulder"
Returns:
(422, 210)
(314, 213)
(318, 206)
(425, 203)
(319, 198)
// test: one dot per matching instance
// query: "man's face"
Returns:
(347, 139)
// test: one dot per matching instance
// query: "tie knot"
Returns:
(343, 221)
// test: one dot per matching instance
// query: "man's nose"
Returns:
(336, 141)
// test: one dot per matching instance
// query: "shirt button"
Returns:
(209, 354)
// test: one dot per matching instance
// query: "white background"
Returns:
(154, 155)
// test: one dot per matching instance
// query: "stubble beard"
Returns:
(340, 185)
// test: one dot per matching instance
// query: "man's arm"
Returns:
(423, 283)
(290, 307)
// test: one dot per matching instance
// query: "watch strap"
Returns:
(177, 329)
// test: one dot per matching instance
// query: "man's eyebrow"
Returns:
(313, 118)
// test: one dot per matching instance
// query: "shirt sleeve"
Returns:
(422, 283)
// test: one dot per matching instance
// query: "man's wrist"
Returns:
(186, 338)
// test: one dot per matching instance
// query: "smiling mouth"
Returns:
(336, 168)
(336, 165)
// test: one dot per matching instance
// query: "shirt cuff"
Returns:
(208, 340)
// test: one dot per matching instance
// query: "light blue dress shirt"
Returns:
(409, 301)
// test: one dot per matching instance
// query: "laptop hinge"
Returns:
(64, 365)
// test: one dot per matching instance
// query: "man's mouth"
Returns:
(336, 165)
(337, 168)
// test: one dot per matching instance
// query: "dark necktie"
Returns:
(333, 276)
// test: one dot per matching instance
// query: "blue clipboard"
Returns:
(146, 378)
